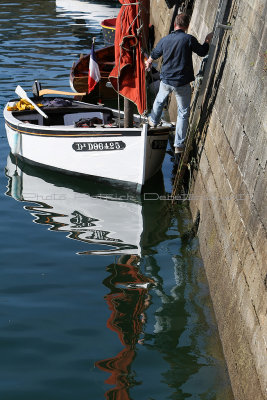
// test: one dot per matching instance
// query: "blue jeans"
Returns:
(183, 98)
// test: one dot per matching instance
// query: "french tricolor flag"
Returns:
(94, 73)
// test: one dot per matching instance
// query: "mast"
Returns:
(128, 113)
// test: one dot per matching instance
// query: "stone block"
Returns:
(195, 24)
(251, 171)
(228, 77)
(218, 202)
(245, 245)
(245, 384)
(210, 13)
(255, 23)
(253, 221)
(232, 50)
(222, 143)
(204, 166)
(239, 60)
(262, 112)
(254, 279)
(242, 153)
(233, 92)
(247, 79)
(236, 268)
(222, 106)
(231, 168)
(259, 243)
(241, 106)
(260, 355)
(236, 136)
(248, 314)
(259, 7)
(255, 59)
(244, 38)
(259, 93)
(259, 297)
(262, 314)
(244, 205)
(195, 202)
(229, 122)
(239, 237)
(242, 7)
(251, 123)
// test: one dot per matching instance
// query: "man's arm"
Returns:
(155, 54)
(148, 63)
(201, 49)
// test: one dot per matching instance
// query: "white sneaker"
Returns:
(151, 123)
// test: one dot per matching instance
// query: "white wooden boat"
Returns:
(104, 150)
(91, 140)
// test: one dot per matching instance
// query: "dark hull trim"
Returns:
(71, 133)
(158, 131)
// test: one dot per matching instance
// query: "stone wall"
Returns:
(228, 188)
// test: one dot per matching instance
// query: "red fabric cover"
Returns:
(129, 60)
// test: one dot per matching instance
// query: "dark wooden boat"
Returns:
(108, 29)
(105, 58)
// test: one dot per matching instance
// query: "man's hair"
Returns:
(182, 20)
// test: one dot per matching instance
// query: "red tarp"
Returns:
(129, 60)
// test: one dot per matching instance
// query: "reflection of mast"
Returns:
(127, 300)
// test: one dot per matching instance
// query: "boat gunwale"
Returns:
(108, 27)
(104, 22)
(71, 131)
(61, 130)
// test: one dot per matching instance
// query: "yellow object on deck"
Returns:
(22, 105)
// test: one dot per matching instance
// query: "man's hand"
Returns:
(209, 37)
(148, 63)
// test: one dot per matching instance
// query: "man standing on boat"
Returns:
(176, 74)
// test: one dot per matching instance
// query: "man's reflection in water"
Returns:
(127, 300)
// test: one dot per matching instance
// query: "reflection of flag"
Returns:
(94, 73)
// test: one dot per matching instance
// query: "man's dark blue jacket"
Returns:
(176, 50)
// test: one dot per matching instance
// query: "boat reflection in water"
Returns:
(105, 217)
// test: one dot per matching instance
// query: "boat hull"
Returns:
(108, 29)
(129, 155)
(105, 58)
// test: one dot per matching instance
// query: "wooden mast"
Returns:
(128, 113)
